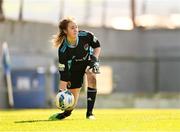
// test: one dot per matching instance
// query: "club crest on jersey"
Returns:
(86, 46)
(61, 67)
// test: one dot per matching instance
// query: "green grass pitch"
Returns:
(107, 120)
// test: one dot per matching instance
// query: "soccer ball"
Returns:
(64, 100)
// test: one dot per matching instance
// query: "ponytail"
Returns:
(58, 39)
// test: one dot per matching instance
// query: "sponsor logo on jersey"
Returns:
(82, 59)
(61, 67)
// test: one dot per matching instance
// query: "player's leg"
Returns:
(75, 92)
(74, 86)
(66, 113)
(91, 94)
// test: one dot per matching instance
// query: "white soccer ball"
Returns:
(64, 100)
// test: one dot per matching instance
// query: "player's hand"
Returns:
(60, 90)
(93, 65)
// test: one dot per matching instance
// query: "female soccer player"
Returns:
(78, 55)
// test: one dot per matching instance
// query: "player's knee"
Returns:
(91, 78)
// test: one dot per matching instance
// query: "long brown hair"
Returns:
(59, 37)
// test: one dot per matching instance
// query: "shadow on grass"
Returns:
(33, 121)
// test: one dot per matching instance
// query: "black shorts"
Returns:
(76, 77)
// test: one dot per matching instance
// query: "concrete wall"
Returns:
(142, 61)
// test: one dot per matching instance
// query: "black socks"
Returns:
(67, 112)
(91, 97)
(63, 115)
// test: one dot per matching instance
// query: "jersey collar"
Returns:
(72, 46)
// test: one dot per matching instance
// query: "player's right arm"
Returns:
(63, 71)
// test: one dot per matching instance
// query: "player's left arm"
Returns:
(97, 52)
(94, 58)
(95, 44)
